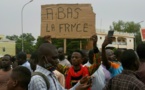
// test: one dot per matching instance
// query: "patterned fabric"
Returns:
(96, 64)
(141, 72)
(127, 80)
(38, 83)
(115, 69)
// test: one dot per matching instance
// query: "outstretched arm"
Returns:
(107, 41)
(96, 56)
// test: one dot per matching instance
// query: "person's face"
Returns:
(60, 54)
(76, 59)
(19, 61)
(52, 58)
(110, 55)
(6, 61)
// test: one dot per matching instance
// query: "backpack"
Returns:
(44, 77)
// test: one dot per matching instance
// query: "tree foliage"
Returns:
(74, 44)
(58, 42)
(28, 41)
(130, 27)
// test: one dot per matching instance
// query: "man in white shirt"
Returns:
(99, 77)
(22, 60)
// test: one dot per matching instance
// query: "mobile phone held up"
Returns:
(110, 33)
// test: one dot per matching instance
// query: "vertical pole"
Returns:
(22, 23)
(65, 45)
(80, 44)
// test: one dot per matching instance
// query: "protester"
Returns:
(19, 78)
(47, 62)
(74, 73)
(108, 58)
(118, 54)
(22, 60)
(33, 63)
(62, 60)
(127, 80)
(59, 76)
(99, 77)
(5, 71)
(141, 53)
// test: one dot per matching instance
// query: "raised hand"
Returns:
(94, 38)
(108, 40)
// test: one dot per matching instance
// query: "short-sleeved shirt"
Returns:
(38, 83)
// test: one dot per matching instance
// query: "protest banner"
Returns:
(67, 21)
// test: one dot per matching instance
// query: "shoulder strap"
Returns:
(43, 76)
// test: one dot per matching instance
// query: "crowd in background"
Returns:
(49, 69)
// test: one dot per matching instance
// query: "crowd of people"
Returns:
(49, 69)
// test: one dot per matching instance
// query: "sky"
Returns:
(107, 11)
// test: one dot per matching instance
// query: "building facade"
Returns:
(7, 46)
(122, 40)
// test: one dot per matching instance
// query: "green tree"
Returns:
(130, 27)
(74, 44)
(13, 37)
(58, 42)
(38, 42)
(28, 40)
